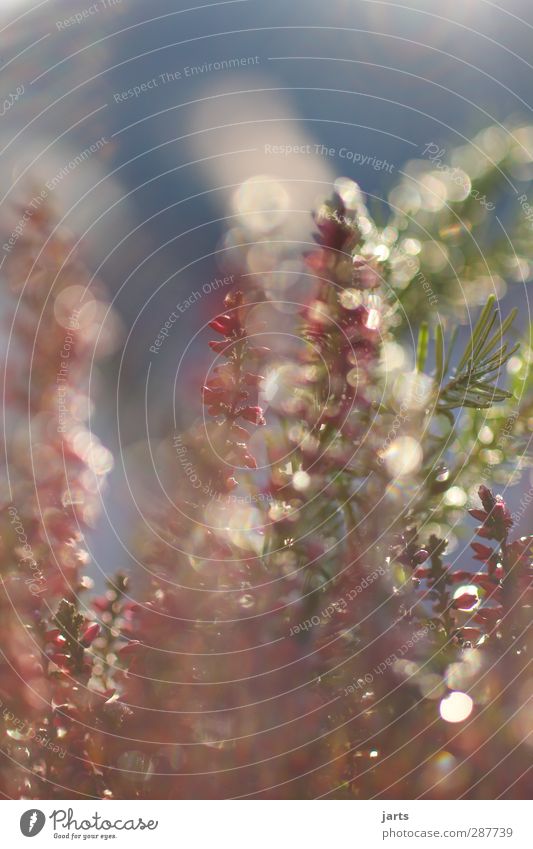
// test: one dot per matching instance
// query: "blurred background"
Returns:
(173, 137)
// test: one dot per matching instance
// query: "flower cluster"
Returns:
(227, 390)
(56, 470)
(497, 593)
(207, 684)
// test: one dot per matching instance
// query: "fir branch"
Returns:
(474, 382)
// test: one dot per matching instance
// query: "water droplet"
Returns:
(373, 319)
(456, 707)
(352, 378)
(350, 299)
(301, 481)
(246, 601)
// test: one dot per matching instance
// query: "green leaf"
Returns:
(483, 336)
(480, 326)
(439, 354)
(474, 384)
(451, 346)
(500, 333)
(422, 348)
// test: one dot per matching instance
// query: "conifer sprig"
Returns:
(474, 381)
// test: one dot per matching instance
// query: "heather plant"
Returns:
(53, 475)
(309, 621)
(329, 605)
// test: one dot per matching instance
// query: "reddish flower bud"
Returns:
(220, 347)
(259, 352)
(90, 634)
(482, 552)
(488, 615)
(225, 324)
(241, 455)
(460, 575)
(490, 585)
(253, 415)
(316, 260)
(465, 601)
(502, 517)
(66, 710)
(252, 379)
(486, 497)
(225, 371)
(217, 326)
(233, 299)
(239, 433)
(216, 409)
(111, 697)
(421, 556)
(209, 395)
(60, 659)
(470, 634)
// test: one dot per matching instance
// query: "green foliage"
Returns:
(474, 383)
